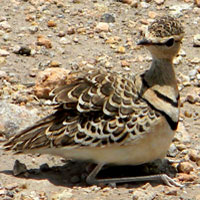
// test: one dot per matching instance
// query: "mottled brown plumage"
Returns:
(110, 117)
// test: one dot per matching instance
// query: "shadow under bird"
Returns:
(114, 118)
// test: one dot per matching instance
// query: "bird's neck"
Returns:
(158, 86)
(161, 73)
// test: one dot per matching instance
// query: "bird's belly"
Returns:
(151, 146)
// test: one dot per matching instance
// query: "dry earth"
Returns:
(39, 34)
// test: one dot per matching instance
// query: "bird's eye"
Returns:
(169, 42)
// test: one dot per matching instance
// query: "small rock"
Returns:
(23, 51)
(188, 114)
(102, 26)
(64, 41)
(198, 76)
(124, 63)
(144, 5)
(4, 52)
(185, 167)
(159, 2)
(66, 194)
(70, 30)
(152, 14)
(108, 18)
(194, 155)
(61, 34)
(2, 60)
(75, 39)
(121, 49)
(13, 116)
(2, 192)
(44, 167)
(33, 29)
(5, 26)
(192, 73)
(182, 134)
(42, 41)
(3, 74)
(54, 64)
(172, 151)
(19, 168)
(177, 9)
(171, 191)
(186, 177)
(143, 194)
(197, 3)
(127, 1)
(48, 79)
(195, 60)
(51, 23)
(196, 40)
(11, 186)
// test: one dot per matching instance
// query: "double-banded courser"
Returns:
(108, 117)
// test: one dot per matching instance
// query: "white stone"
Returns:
(4, 52)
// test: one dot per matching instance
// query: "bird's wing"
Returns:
(97, 108)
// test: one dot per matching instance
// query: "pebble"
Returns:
(48, 79)
(196, 40)
(143, 194)
(197, 3)
(171, 191)
(44, 167)
(192, 73)
(64, 195)
(23, 50)
(70, 30)
(182, 134)
(4, 52)
(185, 167)
(3, 74)
(198, 76)
(188, 114)
(43, 41)
(33, 29)
(61, 34)
(195, 60)
(127, 1)
(64, 41)
(125, 63)
(11, 186)
(51, 23)
(159, 2)
(177, 9)
(121, 50)
(5, 26)
(186, 177)
(54, 64)
(108, 18)
(194, 155)
(102, 26)
(19, 168)
(152, 14)
(173, 151)
(145, 5)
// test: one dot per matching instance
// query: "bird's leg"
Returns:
(91, 179)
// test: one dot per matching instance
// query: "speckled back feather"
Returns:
(98, 108)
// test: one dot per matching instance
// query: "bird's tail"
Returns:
(40, 135)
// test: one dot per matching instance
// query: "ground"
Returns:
(40, 34)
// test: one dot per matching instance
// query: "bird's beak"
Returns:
(144, 42)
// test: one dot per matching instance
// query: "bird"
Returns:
(115, 118)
